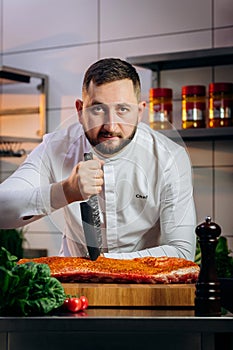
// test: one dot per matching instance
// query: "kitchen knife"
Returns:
(91, 222)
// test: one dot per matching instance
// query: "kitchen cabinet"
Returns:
(188, 59)
(16, 80)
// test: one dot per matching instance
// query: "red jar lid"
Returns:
(221, 87)
(193, 90)
(160, 92)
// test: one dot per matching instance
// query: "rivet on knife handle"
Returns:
(91, 222)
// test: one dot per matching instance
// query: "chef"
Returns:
(143, 180)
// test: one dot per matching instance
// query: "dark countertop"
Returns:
(158, 320)
(122, 328)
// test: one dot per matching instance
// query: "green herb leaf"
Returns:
(27, 289)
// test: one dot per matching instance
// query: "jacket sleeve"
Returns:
(25, 195)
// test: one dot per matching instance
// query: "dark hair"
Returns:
(108, 70)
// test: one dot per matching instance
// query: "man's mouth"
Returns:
(109, 136)
(109, 143)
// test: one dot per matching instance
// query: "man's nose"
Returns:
(110, 121)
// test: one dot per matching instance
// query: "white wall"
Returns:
(62, 38)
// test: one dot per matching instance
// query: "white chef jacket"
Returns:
(146, 205)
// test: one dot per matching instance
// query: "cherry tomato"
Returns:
(73, 304)
(84, 302)
(65, 304)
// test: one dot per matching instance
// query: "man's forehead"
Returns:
(117, 91)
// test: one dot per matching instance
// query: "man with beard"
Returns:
(143, 179)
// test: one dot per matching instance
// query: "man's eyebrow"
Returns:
(119, 104)
(96, 102)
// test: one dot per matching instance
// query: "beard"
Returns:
(107, 147)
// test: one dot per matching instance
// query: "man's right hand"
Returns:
(85, 180)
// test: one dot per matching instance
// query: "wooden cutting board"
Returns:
(138, 295)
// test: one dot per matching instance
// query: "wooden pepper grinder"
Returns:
(208, 294)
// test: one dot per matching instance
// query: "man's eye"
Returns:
(97, 109)
(123, 109)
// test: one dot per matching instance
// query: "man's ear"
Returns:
(141, 108)
(79, 107)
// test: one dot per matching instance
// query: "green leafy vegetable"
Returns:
(27, 289)
(12, 240)
(223, 260)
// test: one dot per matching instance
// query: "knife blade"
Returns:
(91, 222)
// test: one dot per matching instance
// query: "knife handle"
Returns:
(88, 156)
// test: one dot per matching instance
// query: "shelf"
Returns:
(188, 59)
(20, 111)
(185, 59)
(15, 139)
(10, 75)
(200, 134)
(10, 146)
(15, 75)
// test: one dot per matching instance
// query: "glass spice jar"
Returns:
(193, 106)
(160, 108)
(220, 104)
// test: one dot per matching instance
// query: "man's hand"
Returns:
(85, 180)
